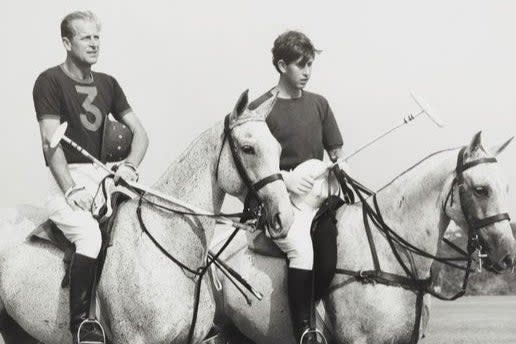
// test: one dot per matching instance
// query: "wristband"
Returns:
(73, 189)
(131, 166)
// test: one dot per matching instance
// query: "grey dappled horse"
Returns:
(417, 205)
(145, 297)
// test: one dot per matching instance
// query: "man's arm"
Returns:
(127, 170)
(76, 198)
(140, 139)
(336, 154)
(55, 156)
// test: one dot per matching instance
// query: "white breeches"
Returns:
(78, 226)
(297, 245)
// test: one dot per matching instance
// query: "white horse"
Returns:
(145, 297)
(418, 205)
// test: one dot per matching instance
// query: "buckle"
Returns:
(364, 278)
(481, 257)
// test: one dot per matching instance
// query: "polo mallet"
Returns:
(423, 109)
(59, 135)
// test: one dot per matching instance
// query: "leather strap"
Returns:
(267, 180)
(479, 223)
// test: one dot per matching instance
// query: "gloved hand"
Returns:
(127, 172)
(298, 183)
(78, 198)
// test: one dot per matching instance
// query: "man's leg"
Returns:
(298, 247)
(81, 229)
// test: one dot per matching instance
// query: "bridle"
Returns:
(475, 239)
(410, 280)
(252, 188)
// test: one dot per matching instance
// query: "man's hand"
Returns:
(127, 172)
(78, 198)
(297, 183)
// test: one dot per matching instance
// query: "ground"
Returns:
(470, 320)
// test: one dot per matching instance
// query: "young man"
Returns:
(71, 92)
(304, 125)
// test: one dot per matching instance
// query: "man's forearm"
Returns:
(336, 154)
(59, 167)
(138, 147)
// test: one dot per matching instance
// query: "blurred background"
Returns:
(183, 65)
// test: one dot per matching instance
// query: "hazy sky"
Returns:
(183, 65)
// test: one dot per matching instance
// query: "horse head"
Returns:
(481, 210)
(249, 163)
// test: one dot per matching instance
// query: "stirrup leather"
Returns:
(94, 323)
(316, 332)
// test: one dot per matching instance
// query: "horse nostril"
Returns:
(508, 261)
(277, 221)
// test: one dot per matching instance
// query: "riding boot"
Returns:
(82, 276)
(300, 291)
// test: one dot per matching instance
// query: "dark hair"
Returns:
(290, 46)
(66, 24)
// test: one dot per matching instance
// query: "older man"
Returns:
(71, 92)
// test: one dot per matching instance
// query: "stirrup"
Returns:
(316, 332)
(94, 323)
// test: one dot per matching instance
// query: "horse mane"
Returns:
(247, 116)
(416, 165)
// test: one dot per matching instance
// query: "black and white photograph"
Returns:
(244, 172)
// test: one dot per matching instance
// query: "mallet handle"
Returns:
(407, 119)
(163, 196)
(86, 154)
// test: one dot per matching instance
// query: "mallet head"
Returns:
(426, 109)
(58, 135)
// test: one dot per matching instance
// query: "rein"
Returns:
(253, 188)
(411, 281)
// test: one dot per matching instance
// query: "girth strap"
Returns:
(386, 278)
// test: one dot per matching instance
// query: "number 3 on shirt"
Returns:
(91, 93)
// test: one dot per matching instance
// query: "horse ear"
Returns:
(266, 107)
(240, 105)
(476, 142)
(499, 148)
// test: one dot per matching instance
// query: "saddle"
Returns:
(323, 228)
(324, 241)
(105, 206)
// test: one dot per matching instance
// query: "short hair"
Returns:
(290, 46)
(66, 24)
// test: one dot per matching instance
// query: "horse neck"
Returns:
(412, 205)
(191, 177)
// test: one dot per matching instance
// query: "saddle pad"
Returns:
(48, 231)
(259, 243)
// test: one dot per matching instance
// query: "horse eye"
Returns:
(481, 191)
(248, 149)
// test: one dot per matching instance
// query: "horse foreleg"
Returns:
(12, 333)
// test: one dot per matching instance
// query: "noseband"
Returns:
(252, 187)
